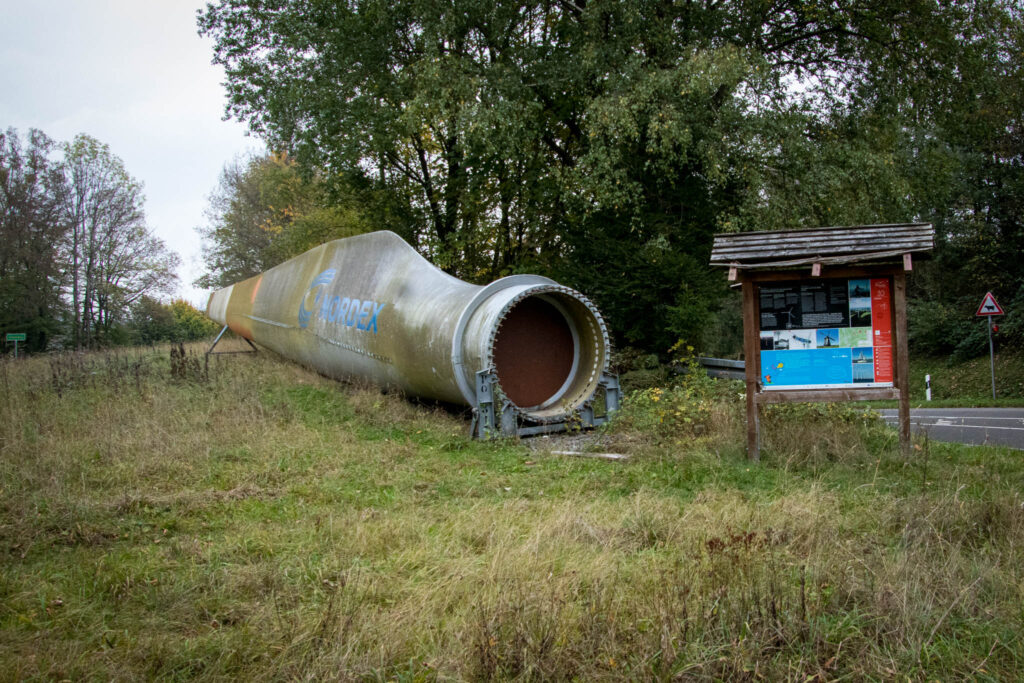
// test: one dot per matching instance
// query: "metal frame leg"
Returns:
(210, 350)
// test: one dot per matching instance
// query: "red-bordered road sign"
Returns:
(989, 306)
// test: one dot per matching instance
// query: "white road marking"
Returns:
(944, 422)
(963, 426)
(955, 417)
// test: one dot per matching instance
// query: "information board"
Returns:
(833, 333)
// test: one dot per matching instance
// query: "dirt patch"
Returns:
(591, 441)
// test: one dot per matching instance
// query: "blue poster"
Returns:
(806, 367)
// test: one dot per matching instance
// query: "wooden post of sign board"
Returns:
(902, 358)
(751, 353)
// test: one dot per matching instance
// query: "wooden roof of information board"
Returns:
(830, 246)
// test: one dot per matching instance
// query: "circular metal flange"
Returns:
(576, 390)
(458, 363)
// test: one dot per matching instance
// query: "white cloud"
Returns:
(135, 75)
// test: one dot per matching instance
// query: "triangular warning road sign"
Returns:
(989, 306)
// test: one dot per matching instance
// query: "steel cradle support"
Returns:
(495, 416)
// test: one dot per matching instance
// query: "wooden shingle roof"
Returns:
(832, 246)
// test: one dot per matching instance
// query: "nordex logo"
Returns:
(336, 309)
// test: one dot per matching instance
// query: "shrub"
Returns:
(692, 407)
(179, 321)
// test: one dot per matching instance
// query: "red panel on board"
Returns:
(881, 328)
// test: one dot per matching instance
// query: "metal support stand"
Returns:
(612, 394)
(490, 422)
(210, 350)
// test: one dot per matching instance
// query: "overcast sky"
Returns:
(135, 75)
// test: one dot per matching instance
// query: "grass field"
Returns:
(966, 384)
(970, 383)
(257, 521)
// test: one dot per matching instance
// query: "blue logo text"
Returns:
(351, 312)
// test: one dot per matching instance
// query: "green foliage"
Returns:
(958, 383)
(191, 323)
(680, 411)
(153, 321)
(650, 293)
(785, 415)
(969, 183)
(814, 170)
(1011, 327)
(75, 253)
(264, 212)
(603, 143)
(33, 228)
(951, 327)
(692, 407)
(113, 259)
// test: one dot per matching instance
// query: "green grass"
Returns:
(259, 521)
(969, 383)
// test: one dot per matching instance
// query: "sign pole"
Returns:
(988, 308)
(991, 357)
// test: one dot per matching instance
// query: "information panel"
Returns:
(826, 334)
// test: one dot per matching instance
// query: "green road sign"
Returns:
(15, 336)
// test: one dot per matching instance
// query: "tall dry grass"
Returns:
(251, 519)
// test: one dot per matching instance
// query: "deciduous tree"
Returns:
(33, 232)
(264, 211)
(114, 259)
(603, 141)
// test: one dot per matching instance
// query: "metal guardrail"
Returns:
(724, 369)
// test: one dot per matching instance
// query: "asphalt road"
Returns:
(988, 426)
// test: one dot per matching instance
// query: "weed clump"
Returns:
(185, 366)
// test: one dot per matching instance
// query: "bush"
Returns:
(933, 327)
(937, 328)
(190, 323)
(695, 406)
(179, 321)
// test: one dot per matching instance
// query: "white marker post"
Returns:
(989, 308)
(928, 387)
